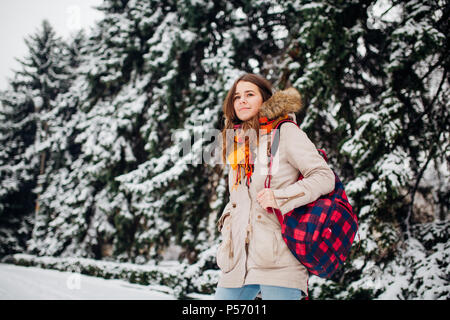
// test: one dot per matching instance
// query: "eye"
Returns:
(235, 98)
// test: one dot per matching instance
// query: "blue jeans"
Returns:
(249, 292)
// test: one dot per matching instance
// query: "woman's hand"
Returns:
(266, 199)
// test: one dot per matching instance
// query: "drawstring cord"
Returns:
(231, 253)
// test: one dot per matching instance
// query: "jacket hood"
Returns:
(280, 103)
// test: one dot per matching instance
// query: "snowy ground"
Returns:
(30, 283)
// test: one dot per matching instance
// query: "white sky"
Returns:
(20, 18)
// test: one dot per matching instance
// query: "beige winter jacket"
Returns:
(252, 250)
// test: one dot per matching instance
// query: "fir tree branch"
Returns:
(416, 186)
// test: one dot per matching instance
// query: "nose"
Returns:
(242, 99)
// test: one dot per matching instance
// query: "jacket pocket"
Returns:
(264, 246)
(225, 255)
(284, 255)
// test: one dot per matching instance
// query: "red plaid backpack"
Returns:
(319, 234)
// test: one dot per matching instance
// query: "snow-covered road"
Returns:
(30, 283)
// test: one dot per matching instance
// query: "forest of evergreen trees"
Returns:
(91, 166)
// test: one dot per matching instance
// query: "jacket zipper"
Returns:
(301, 194)
(247, 236)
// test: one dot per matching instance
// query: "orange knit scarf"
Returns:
(242, 157)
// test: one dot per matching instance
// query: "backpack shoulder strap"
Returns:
(273, 149)
(276, 140)
(276, 137)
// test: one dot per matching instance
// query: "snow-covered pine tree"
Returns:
(56, 195)
(24, 132)
(18, 170)
(408, 130)
(82, 197)
(375, 82)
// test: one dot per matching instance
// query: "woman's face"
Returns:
(247, 100)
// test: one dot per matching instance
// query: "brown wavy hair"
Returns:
(231, 119)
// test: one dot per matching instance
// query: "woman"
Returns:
(253, 256)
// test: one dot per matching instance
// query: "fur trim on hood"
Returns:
(280, 103)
